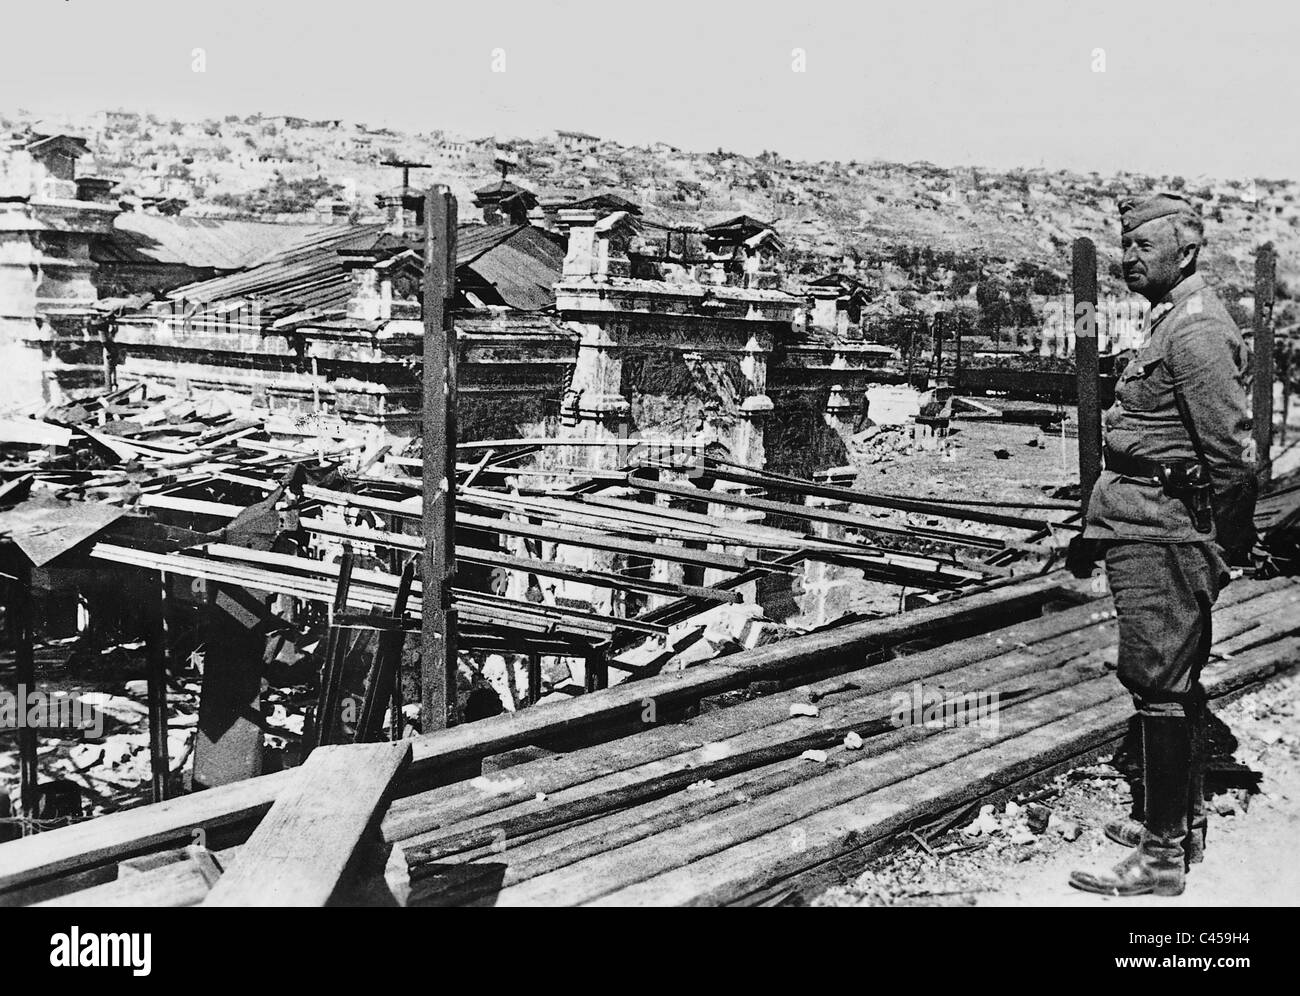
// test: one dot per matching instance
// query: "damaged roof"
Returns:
(43, 527)
(519, 262)
(201, 243)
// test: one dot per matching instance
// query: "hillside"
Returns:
(924, 235)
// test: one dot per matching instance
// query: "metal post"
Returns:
(1265, 282)
(438, 631)
(938, 347)
(1085, 361)
(156, 650)
(956, 373)
(1287, 357)
(23, 608)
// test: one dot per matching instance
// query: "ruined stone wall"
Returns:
(680, 393)
(510, 378)
(798, 437)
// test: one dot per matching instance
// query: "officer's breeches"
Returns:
(1163, 593)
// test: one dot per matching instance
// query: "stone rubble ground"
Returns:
(1010, 856)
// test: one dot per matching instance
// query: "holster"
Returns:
(1189, 483)
(1185, 480)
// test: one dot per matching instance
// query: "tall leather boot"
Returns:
(1197, 823)
(1156, 864)
(1129, 832)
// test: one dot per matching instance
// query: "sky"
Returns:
(1192, 88)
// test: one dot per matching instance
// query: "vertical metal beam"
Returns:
(336, 649)
(534, 677)
(597, 666)
(23, 607)
(1085, 362)
(956, 373)
(156, 660)
(1265, 283)
(938, 346)
(438, 630)
(1285, 373)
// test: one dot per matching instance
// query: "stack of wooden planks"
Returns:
(727, 808)
(630, 803)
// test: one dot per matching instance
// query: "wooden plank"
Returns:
(625, 703)
(383, 686)
(647, 781)
(111, 838)
(812, 514)
(668, 857)
(183, 881)
(614, 544)
(870, 718)
(300, 851)
(830, 832)
(745, 735)
(886, 501)
(326, 717)
(1084, 284)
(545, 568)
(549, 851)
(230, 809)
(523, 859)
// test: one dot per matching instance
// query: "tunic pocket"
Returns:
(1143, 386)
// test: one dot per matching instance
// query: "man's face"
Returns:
(1152, 258)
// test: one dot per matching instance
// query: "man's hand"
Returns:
(1234, 519)
(1081, 556)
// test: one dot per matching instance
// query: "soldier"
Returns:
(1171, 510)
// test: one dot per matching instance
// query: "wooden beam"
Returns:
(384, 687)
(438, 633)
(331, 675)
(1085, 360)
(1265, 289)
(300, 852)
(772, 507)
(615, 544)
(885, 501)
(592, 718)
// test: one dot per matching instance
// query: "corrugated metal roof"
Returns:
(203, 243)
(520, 261)
(523, 268)
(472, 241)
(295, 274)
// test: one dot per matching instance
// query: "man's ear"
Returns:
(1187, 256)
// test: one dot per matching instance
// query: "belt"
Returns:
(1139, 469)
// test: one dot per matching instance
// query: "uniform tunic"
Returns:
(1163, 573)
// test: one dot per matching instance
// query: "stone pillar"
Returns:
(755, 407)
(581, 258)
(826, 588)
(594, 408)
(825, 305)
(19, 266)
(839, 411)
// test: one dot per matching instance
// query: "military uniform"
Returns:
(1180, 422)
(1164, 573)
